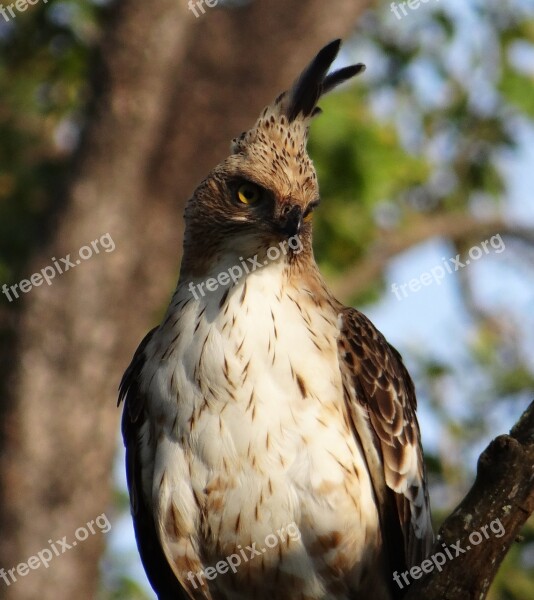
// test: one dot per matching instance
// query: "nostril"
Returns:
(286, 209)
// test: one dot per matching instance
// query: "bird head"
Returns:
(266, 190)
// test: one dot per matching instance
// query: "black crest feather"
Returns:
(314, 81)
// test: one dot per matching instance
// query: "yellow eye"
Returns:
(308, 217)
(248, 193)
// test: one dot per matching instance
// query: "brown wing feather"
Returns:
(381, 403)
(134, 427)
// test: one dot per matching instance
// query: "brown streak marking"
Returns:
(192, 420)
(174, 521)
(202, 351)
(250, 399)
(223, 298)
(302, 386)
(165, 323)
(243, 293)
(151, 379)
(317, 345)
(325, 318)
(170, 347)
(348, 471)
(319, 420)
(295, 302)
(198, 501)
(349, 494)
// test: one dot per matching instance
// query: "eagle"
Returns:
(272, 445)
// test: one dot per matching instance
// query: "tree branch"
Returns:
(486, 522)
(456, 226)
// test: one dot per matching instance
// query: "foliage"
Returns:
(44, 68)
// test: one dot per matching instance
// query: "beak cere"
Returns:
(290, 220)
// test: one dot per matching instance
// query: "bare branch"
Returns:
(503, 493)
(456, 226)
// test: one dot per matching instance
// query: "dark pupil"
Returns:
(249, 194)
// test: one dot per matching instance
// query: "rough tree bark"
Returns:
(170, 93)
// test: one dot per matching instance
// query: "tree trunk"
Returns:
(170, 91)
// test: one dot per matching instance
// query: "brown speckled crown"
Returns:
(293, 109)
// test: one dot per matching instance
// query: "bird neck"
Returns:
(273, 269)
